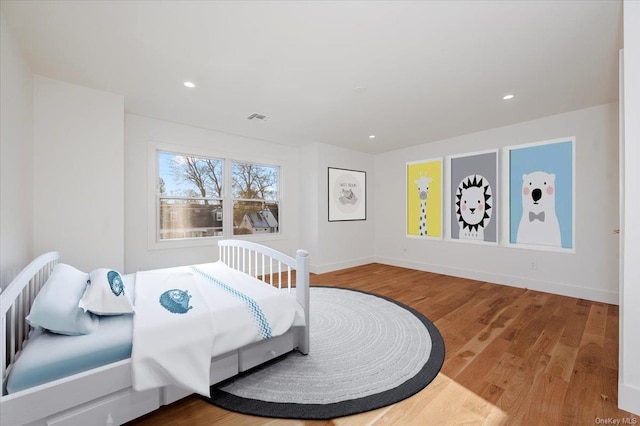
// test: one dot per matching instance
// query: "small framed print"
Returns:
(347, 195)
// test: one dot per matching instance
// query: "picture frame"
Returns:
(424, 199)
(540, 200)
(347, 191)
(473, 197)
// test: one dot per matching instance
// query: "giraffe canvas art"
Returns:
(423, 193)
(424, 199)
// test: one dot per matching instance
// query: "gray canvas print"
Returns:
(474, 197)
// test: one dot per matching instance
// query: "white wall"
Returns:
(336, 245)
(16, 158)
(629, 371)
(590, 273)
(141, 132)
(78, 174)
(309, 210)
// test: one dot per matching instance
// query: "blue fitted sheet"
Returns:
(49, 356)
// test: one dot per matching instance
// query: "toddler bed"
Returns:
(53, 379)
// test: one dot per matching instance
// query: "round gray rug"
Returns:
(366, 352)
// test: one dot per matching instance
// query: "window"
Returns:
(189, 196)
(194, 193)
(255, 198)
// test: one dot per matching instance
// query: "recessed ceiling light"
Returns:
(189, 84)
(372, 136)
(508, 96)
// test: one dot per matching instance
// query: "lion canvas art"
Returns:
(474, 207)
(473, 197)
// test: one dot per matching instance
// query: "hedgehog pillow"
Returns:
(105, 294)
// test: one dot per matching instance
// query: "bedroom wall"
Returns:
(590, 273)
(16, 157)
(335, 245)
(629, 372)
(140, 132)
(309, 209)
(78, 174)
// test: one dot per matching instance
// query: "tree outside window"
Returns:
(255, 198)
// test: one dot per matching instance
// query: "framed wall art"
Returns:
(424, 181)
(542, 195)
(473, 197)
(347, 195)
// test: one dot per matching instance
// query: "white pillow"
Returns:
(105, 294)
(55, 308)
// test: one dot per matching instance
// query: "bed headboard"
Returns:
(15, 304)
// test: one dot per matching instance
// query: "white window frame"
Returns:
(153, 225)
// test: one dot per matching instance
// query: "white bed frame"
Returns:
(105, 395)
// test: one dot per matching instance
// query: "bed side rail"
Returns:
(15, 304)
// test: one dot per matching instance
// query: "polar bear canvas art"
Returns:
(539, 223)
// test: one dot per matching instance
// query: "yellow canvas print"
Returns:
(424, 199)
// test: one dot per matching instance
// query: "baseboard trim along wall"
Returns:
(513, 281)
(330, 267)
(629, 398)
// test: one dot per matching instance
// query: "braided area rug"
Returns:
(366, 352)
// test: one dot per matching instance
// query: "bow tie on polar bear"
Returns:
(539, 223)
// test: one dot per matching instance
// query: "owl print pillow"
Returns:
(105, 294)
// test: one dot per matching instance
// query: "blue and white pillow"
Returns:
(55, 308)
(106, 294)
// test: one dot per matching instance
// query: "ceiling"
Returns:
(331, 72)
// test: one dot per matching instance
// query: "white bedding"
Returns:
(49, 356)
(174, 339)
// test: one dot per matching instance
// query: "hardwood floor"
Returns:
(513, 356)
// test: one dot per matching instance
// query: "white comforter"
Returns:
(186, 315)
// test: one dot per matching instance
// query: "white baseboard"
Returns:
(513, 281)
(629, 398)
(330, 267)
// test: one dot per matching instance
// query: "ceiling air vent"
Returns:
(257, 116)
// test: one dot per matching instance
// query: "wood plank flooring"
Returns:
(513, 356)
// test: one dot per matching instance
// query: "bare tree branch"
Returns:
(254, 181)
(213, 170)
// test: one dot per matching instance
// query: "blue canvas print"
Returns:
(541, 198)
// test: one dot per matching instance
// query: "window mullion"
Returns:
(227, 222)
